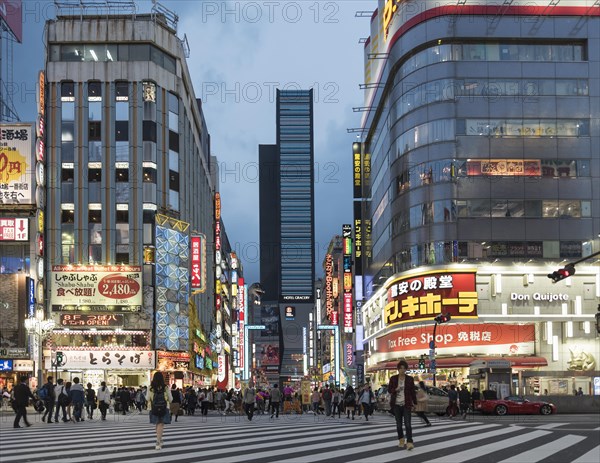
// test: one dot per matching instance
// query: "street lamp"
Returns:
(442, 318)
(39, 328)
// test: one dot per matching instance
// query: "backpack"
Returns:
(159, 404)
(42, 392)
(63, 398)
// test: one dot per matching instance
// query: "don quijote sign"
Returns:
(424, 296)
(96, 285)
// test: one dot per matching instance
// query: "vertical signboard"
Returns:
(357, 169)
(198, 262)
(348, 306)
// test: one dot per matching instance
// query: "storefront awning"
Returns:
(461, 362)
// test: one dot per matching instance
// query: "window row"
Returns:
(442, 252)
(445, 170)
(107, 52)
(524, 127)
(448, 210)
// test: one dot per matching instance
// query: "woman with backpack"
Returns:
(350, 401)
(159, 398)
(90, 401)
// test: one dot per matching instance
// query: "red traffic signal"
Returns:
(443, 318)
(561, 274)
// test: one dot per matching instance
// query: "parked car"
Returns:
(515, 405)
(437, 400)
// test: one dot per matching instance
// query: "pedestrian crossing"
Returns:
(290, 439)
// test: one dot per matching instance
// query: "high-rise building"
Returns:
(287, 224)
(477, 175)
(129, 191)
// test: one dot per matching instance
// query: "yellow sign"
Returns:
(217, 206)
(305, 391)
(42, 93)
(389, 9)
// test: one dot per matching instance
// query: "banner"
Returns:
(106, 360)
(484, 338)
(16, 164)
(96, 285)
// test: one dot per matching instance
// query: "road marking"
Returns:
(546, 450)
(421, 449)
(478, 452)
(593, 456)
(551, 425)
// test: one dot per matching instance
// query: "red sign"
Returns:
(488, 338)
(14, 229)
(348, 321)
(84, 320)
(196, 274)
(118, 286)
(424, 296)
(11, 12)
(334, 317)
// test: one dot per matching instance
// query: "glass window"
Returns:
(586, 209)
(122, 110)
(122, 151)
(550, 208)
(67, 151)
(67, 90)
(173, 122)
(156, 56)
(122, 190)
(174, 200)
(67, 216)
(122, 230)
(122, 217)
(149, 111)
(479, 207)
(149, 131)
(569, 208)
(533, 208)
(174, 161)
(139, 52)
(173, 141)
(173, 103)
(149, 175)
(95, 131)
(122, 130)
(95, 110)
(174, 180)
(71, 53)
(170, 63)
(94, 91)
(95, 151)
(94, 175)
(111, 52)
(122, 175)
(122, 91)
(149, 151)
(68, 111)
(123, 52)
(67, 175)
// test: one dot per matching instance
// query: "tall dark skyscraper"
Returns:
(287, 256)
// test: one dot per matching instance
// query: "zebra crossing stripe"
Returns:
(478, 452)
(593, 456)
(551, 425)
(392, 444)
(420, 449)
(546, 450)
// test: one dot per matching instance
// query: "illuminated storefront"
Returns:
(546, 331)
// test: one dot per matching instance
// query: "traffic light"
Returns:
(561, 274)
(422, 362)
(59, 359)
(443, 318)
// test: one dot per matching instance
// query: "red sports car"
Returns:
(514, 405)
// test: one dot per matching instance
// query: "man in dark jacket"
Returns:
(403, 397)
(124, 398)
(22, 395)
(49, 400)
(77, 396)
(464, 397)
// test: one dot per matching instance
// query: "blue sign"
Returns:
(6, 365)
(31, 296)
(199, 362)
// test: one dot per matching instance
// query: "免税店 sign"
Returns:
(483, 338)
(424, 296)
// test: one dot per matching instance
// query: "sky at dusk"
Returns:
(240, 52)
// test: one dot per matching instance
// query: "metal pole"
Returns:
(40, 359)
(434, 346)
